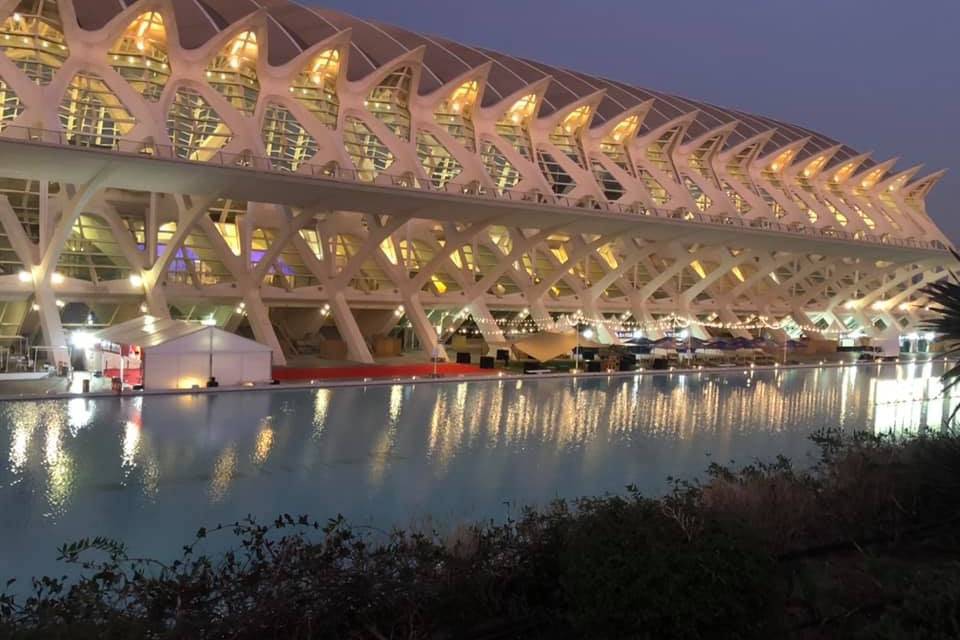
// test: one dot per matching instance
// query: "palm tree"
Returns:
(945, 304)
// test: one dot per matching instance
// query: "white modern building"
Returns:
(295, 173)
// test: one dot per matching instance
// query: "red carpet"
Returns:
(359, 372)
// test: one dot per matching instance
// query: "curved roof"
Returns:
(293, 28)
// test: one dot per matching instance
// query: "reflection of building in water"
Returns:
(442, 428)
(912, 401)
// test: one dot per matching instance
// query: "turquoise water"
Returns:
(149, 471)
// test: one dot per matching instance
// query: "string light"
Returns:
(623, 325)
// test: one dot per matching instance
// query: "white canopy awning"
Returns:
(164, 335)
(148, 331)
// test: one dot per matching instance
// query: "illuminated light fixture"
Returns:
(36, 307)
(57, 278)
(588, 334)
(61, 304)
(904, 306)
(136, 280)
(82, 340)
(143, 307)
(209, 321)
(25, 277)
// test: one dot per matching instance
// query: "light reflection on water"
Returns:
(150, 471)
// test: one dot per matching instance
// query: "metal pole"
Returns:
(576, 355)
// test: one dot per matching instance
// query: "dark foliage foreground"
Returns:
(865, 545)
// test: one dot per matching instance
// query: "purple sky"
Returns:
(879, 75)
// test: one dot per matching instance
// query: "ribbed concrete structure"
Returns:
(299, 171)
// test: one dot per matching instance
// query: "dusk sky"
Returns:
(879, 75)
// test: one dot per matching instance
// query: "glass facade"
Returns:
(315, 87)
(614, 146)
(91, 115)
(701, 199)
(455, 114)
(660, 153)
(504, 175)
(437, 162)
(287, 143)
(10, 105)
(369, 155)
(389, 102)
(658, 194)
(92, 252)
(233, 73)
(32, 37)
(140, 56)
(561, 183)
(566, 135)
(195, 129)
(612, 189)
(513, 126)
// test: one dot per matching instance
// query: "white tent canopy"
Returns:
(180, 354)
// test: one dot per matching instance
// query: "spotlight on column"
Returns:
(136, 280)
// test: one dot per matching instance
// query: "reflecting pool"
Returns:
(150, 471)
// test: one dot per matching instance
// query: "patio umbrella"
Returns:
(548, 345)
(720, 344)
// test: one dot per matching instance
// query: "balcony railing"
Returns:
(475, 189)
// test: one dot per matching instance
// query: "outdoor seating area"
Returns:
(694, 352)
(562, 351)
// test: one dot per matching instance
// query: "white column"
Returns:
(540, 315)
(259, 317)
(604, 335)
(46, 219)
(151, 229)
(53, 334)
(426, 332)
(492, 334)
(728, 316)
(357, 349)
(154, 294)
(645, 319)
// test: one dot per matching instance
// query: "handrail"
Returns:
(332, 171)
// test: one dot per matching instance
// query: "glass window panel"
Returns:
(287, 143)
(32, 37)
(369, 155)
(440, 166)
(504, 175)
(140, 56)
(389, 102)
(455, 114)
(561, 183)
(91, 115)
(316, 87)
(195, 129)
(233, 72)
